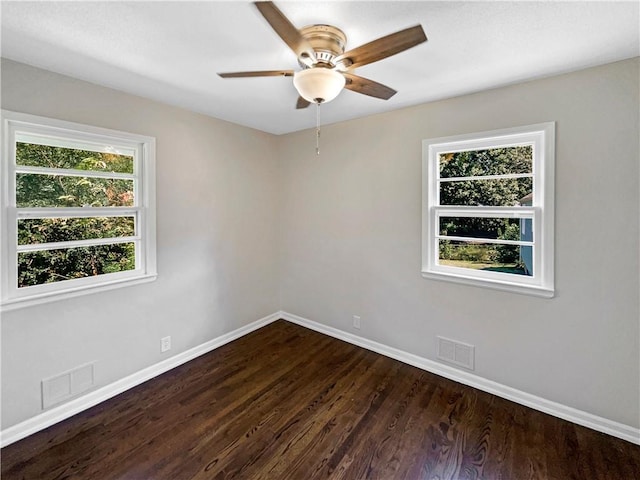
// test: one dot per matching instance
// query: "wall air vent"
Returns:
(456, 353)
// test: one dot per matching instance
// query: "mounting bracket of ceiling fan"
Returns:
(326, 68)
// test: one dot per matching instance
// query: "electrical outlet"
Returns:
(165, 344)
(356, 322)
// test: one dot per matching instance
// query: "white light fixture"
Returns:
(318, 84)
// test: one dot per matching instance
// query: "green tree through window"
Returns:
(462, 189)
(44, 187)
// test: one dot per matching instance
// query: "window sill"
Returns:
(532, 290)
(18, 303)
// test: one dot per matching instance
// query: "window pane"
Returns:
(491, 227)
(48, 230)
(60, 157)
(35, 190)
(489, 257)
(493, 161)
(48, 266)
(504, 192)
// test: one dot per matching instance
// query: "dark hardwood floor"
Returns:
(285, 402)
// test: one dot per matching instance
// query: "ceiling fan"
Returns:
(326, 67)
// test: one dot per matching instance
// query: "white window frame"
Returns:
(67, 134)
(541, 212)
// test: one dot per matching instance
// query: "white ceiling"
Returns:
(171, 51)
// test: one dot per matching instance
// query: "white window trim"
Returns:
(22, 124)
(542, 136)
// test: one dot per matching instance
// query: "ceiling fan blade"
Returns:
(383, 47)
(302, 103)
(285, 29)
(264, 73)
(365, 86)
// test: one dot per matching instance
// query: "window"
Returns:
(77, 209)
(488, 209)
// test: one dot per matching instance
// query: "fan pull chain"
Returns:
(317, 128)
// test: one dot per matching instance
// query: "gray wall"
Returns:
(353, 230)
(249, 224)
(217, 207)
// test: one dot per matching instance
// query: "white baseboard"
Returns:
(77, 405)
(66, 410)
(570, 414)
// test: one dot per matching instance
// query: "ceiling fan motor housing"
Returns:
(326, 40)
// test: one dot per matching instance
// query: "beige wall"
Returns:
(249, 224)
(352, 219)
(216, 233)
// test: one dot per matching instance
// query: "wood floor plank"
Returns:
(307, 428)
(285, 402)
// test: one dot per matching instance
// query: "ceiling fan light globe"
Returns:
(318, 85)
